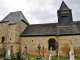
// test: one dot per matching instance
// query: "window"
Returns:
(51, 43)
(3, 38)
(65, 14)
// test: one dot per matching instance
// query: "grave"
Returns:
(39, 56)
(71, 52)
(8, 53)
(50, 54)
(24, 53)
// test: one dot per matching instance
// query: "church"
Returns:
(16, 31)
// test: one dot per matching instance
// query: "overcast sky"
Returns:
(38, 11)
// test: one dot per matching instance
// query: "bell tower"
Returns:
(64, 15)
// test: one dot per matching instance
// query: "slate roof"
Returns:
(68, 30)
(51, 30)
(14, 17)
(63, 6)
(40, 29)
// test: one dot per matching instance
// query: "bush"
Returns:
(15, 55)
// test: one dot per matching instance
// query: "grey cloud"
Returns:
(43, 15)
(3, 10)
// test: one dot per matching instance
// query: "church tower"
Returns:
(64, 15)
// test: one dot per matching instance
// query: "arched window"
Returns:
(3, 38)
(51, 43)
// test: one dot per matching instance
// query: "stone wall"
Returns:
(20, 27)
(17, 29)
(64, 45)
(11, 32)
(33, 42)
(12, 37)
(3, 32)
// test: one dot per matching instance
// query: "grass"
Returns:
(77, 59)
(53, 58)
(62, 58)
(32, 56)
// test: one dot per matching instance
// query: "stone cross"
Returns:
(71, 52)
(39, 56)
(39, 48)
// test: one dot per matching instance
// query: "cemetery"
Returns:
(20, 40)
(7, 55)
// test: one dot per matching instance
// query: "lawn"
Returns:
(32, 56)
(53, 58)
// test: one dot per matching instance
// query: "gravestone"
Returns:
(50, 54)
(8, 53)
(24, 53)
(3, 52)
(39, 56)
(71, 52)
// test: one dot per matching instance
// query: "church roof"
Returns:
(14, 17)
(63, 6)
(51, 29)
(40, 29)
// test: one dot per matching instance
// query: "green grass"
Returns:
(32, 56)
(53, 58)
(77, 58)
(62, 58)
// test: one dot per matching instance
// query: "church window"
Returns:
(3, 38)
(51, 43)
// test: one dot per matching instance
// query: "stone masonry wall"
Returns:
(20, 27)
(64, 45)
(33, 42)
(3, 32)
(11, 32)
(17, 29)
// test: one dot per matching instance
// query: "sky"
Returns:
(39, 11)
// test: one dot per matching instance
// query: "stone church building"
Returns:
(16, 31)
